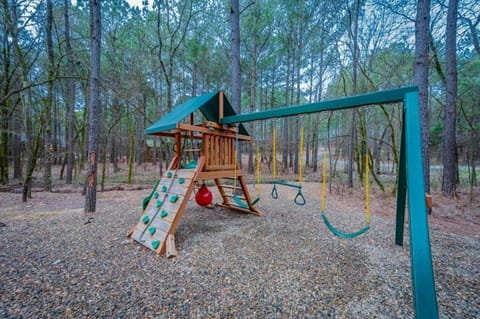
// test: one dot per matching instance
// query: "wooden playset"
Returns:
(218, 135)
(217, 161)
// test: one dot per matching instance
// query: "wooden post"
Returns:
(220, 106)
(429, 201)
(171, 250)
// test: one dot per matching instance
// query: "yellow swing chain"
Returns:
(258, 169)
(235, 160)
(367, 190)
(300, 160)
(324, 182)
(274, 151)
(367, 186)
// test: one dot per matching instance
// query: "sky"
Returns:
(131, 2)
(137, 3)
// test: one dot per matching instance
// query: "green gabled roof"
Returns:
(208, 106)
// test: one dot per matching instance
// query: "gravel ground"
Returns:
(285, 264)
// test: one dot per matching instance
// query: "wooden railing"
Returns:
(219, 152)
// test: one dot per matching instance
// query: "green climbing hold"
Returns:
(145, 219)
(169, 174)
(174, 198)
(181, 180)
(155, 195)
(159, 203)
(155, 244)
(145, 202)
(164, 188)
(152, 230)
(163, 214)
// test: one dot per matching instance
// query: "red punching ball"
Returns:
(204, 196)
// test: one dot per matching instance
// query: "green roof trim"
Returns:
(208, 106)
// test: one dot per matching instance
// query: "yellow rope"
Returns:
(300, 160)
(235, 163)
(324, 181)
(274, 151)
(258, 170)
(367, 190)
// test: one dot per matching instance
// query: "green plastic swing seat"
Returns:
(242, 204)
(343, 234)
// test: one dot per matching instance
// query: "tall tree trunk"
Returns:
(4, 148)
(235, 56)
(116, 116)
(55, 155)
(70, 102)
(9, 35)
(47, 130)
(32, 163)
(94, 109)
(17, 143)
(356, 52)
(131, 153)
(319, 98)
(103, 156)
(15, 103)
(253, 96)
(449, 141)
(422, 25)
(236, 75)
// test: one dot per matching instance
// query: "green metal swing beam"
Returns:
(410, 180)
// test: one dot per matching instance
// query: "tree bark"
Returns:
(422, 25)
(70, 101)
(32, 162)
(47, 129)
(355, 51)
(94, 109)
(10, 32)
(449, 141)
(17, 143)
(236, 75)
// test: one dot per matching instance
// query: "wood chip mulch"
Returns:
(285, 264)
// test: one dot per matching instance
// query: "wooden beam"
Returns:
(220, 126)
(222, 191)
(253, 211)
(171, 250)
(219, 167)
(220, 106)
(217, 174)
(205, 130)
(188, 193)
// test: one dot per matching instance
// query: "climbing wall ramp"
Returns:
(165, 209)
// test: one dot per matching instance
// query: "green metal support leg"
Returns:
(422, 269)
(402, 189)
(410, 180)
